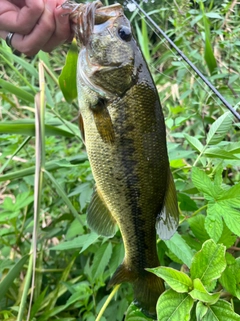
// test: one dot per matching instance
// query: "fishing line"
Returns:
(205, 80)
(164, 43)
(180, 60)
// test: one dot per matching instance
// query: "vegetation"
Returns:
(46, 181)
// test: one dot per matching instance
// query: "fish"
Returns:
(122, 124)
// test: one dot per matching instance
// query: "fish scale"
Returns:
(125, 137)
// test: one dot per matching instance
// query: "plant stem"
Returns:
(111, 295)
(25, 289)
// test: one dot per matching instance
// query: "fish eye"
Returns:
(125, 33)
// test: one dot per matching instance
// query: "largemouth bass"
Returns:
(123, 127)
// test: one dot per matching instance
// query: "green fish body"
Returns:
(123, 127)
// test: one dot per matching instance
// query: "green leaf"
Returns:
(220, 152)
(15, 90)
(186, 203)
(197, 224)
(178, 281)
(101, 260)
(135, 314)
(221, 311)
(77, 243)
(49, 166)
(219, 128)
(213, 15)
(11, 276)
(209, 263)
(213, 223)
(68, 77)
(227, 238)
(204, 184)
(208, 53)
(226, 208)
(194, 142)
(230, 278)
(200, 293)
(180, 248)
(173, 306)
(201, 310)
(27, 128)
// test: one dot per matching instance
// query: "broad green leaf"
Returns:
(201, 294)
(201, 310)
(194, 142)
(135, 314)
(221, 311)
(178, 281)
(227, 238)
(101, 260)
(219, 129)
(68, 77)
(230, 278)
(197, 227)
(75, 228)
(209, 263)
(11, 276)
(203, 183)
(173, 306)
(76, 243)
(233, 192)
(220, 152)
(213, 223)
(226, 208)
(186, 203)
(180, 248)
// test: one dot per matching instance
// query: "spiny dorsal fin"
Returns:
(167, 221)
(99, 217)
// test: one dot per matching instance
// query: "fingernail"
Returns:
(63, 18)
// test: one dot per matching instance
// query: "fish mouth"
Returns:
(85, 17)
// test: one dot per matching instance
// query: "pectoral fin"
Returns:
(81, 127)
(103, 121)
(99, 217)
(167, 221)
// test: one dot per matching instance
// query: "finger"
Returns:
(40, 35)
(62, 32)
(14, 19)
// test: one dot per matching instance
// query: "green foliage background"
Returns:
(200, 264)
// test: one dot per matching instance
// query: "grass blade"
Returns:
(10, 277)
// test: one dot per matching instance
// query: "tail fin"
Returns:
(147, 290)
(147, 287)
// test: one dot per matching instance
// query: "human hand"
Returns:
(36, 24)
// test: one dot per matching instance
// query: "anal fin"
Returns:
(99, 217)
(167, 220)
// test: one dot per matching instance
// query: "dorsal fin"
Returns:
(167, 220)
(99, 217)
